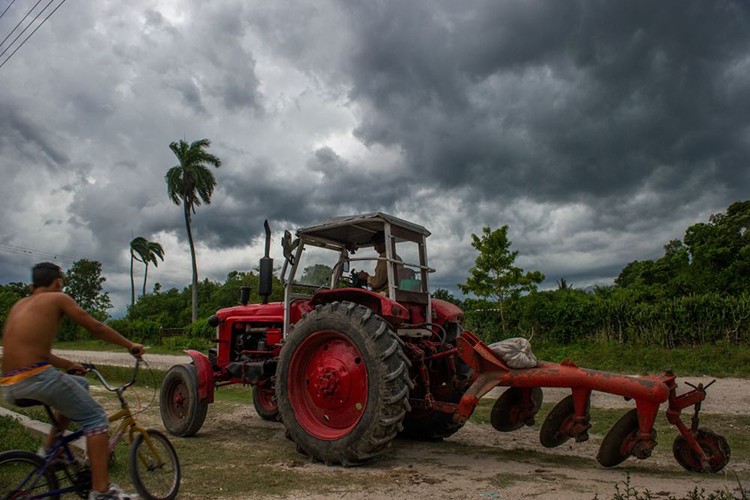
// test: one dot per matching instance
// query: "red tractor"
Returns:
(347, 369)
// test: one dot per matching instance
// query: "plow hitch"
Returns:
(695, 449)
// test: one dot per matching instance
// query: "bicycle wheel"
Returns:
(22, 475)
(155, 469)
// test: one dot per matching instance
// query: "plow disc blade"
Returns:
(713, 445)
(556, 427)
(509, 412)
(619, 441)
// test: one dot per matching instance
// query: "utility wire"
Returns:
(20, 22)
(35, 30)
(170, 278)
(6, 9)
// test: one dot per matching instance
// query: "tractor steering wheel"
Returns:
(356, 282)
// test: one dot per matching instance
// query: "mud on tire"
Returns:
(342, 384)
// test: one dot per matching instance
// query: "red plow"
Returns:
(696, 449)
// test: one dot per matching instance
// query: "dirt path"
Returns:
(478, 462)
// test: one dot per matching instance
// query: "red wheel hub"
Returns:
(327, 384)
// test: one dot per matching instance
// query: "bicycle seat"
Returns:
(24, 403)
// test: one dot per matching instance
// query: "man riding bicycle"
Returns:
(31, 326)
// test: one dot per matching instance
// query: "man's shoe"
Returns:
(113, 493)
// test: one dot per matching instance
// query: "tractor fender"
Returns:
(205, 375)
(445, 311)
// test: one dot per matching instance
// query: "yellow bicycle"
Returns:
(154, 466)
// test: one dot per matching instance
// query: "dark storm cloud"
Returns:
(25, 138)
(328, 185)
(558, 100)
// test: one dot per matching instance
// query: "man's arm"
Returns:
(65, 364)
(96, 327)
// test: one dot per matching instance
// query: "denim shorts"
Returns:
(68, 394)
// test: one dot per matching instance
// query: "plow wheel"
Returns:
(619, 441)
(182, 410)
(713, 445)
(508, 413)
(342, 384)
(560, 419)
(264, 401)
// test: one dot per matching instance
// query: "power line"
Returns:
(6, 9)
(32, 33)
(20, 22)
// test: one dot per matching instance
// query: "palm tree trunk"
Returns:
(145, 277)
(132, 283)
(194, 315)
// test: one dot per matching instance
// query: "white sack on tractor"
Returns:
(515, 352)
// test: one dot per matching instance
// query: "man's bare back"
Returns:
(31, 327)
(33, 323)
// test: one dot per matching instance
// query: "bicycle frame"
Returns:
(61, 447)
(129, 424)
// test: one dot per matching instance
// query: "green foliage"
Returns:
(319, 274)
(200, 329)
(9, 295)
(142, 330)
(191, 183)
(83, 281)
(494, 276)
(172, 308)
(714, 258)
(146, 252)
(443, 294)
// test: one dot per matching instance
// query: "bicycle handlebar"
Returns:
(93, 369)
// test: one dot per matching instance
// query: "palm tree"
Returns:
(191, 183)
(138, 246)
(154, 250)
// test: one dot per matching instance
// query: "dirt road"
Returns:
(477, 462)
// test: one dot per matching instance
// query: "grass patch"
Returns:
(719, 360)
(15, 436)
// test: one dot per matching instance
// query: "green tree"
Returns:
(443, 294)
(720, 251)
(83, 281)
(191, 183)
(154, 253)
(11, 293)
(318, 274)
(494, 275)
(138, 246)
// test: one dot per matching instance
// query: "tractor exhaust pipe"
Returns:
(265, 283)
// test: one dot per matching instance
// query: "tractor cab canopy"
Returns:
(331, 254)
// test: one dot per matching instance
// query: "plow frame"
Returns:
(649, 392)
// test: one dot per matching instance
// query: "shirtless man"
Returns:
(30, 328)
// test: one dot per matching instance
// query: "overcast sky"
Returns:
(597, 130)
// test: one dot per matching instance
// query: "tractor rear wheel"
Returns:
(618, 444)
(714, 446)
(342, 384)
(182, 410)
(264, 401)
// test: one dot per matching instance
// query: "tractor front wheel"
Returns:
(264, 401)
(342, 384)
(182, 410)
